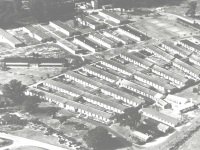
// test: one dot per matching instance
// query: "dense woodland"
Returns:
(43, 10)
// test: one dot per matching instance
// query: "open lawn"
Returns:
(193, 143)
(28, 76)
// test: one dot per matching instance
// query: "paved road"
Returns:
(20, 141)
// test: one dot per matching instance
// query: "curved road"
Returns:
(20, 141)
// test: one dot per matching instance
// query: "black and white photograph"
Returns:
(99, 74)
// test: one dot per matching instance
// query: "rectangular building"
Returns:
(157, 83)
(87, 21)
(102, 40)
(40, 36)
(63, 28)
(172, 48)
(73, 106)
(188, 69)
(159, 53)
(63, 88)
(116, 36)
(115, 66)
(171, 76)
(87, 44)
(112, 17)
(10, 39)
(100, 73)
(132, 33)
(107, 104)
(85, 81)
(141, 90)
(136, 60)
(189, 45)
(70, 47)
(118, 94)
(160, 117)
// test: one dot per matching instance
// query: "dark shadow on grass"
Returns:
(116, 143)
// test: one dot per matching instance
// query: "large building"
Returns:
(189, 45)
(100, 73)
(85, 81)
(112, 17)
(160, 117)
(16, 62)
(126, 98)
(40, 36)
(63, 28)
(88, 21)
(116, 36)
(87, 44)
(70, 47)
(172, 48)
(159, 53)
(136, 88)
(186, 68)
(180, 104)
(176, 79)
(10, 39)
(116, 66)
(137, 61)
(132, 33)
(73, 106)
(102, 40)
(155, 82)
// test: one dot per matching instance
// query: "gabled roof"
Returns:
(159, 115)
(137, 59)
(9, 37)
(101, 72)
(170, 74)
(123, 94)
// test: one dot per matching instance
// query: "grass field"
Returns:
(193, 143)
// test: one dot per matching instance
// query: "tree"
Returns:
(14, 90)
(31, 104)
(131, 117)
(97, 138)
